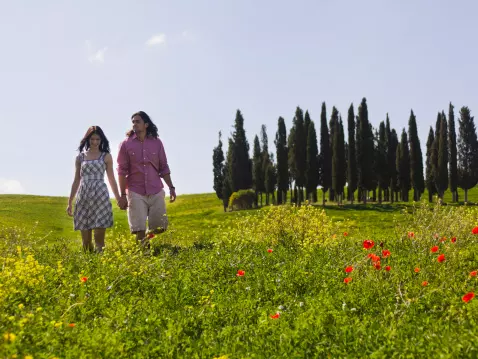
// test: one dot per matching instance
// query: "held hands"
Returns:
(122, 202)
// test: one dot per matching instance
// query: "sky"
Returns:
(67, 65)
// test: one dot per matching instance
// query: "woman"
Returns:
(93, 210)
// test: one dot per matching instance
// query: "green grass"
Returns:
(191, 216)
(186, 301)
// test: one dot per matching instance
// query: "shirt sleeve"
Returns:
(122, 160)
(163, 161)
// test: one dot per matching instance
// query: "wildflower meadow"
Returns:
(282, 282)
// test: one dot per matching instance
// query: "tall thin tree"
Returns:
(312, 172)
(453, 160)
(416, 158)
(365, 151)
(467, 152)
(282, 164)
(430, 171)
(352, 160)
(382, 164)
(325, 155)
(441, 180)
(257, 172)
(218, 168)
(241, 164)
(403, 166)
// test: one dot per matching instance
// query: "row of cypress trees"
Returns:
(370, 160)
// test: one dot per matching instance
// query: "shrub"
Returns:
(242, 199)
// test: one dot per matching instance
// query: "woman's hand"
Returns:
(68, 210)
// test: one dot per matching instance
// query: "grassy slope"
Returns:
(190, 213)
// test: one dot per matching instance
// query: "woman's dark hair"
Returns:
(94, 130)
(151, 130)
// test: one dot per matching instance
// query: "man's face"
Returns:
(138, 124)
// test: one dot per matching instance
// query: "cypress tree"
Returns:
(453, 179)
(241, 165)
(325, 160)
(270, 178)
(257, 172)
(393, 148)
(382, 164)
(416, 159)
(292, 164)
(442, 169)
(218, 168)
(338, 160)
(312, 173)
(390, 158)
(365, 151)
(467, 152)
(352, 160)
(227, 184)
(403, 166)
(282, 165)
(300, 151)
(334, 118)
(430, 179)
(265, 157)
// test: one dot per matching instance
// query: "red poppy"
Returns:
(387, 268)
(346, 234)
(385, 253)
(467, 297)
(453, 240)
(441, 258)
(275, 316)
(240, 273)
(473, 274)
(411, 234)
(347, 280)
(71, 325)
(417, 270)
(84, 279)
(377, 266)
(475, 230)
(434, 249)
(374, 258)
(269, 250)
(150, 235)
(367, 244)
(349, 269)
(424, 283)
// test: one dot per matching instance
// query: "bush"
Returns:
(242, 199)
(304, 227)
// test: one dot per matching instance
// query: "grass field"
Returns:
(276, 282)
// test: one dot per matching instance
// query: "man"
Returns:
(142, 163)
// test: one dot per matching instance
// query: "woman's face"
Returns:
(95, 141)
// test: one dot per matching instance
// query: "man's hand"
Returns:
(172, 195)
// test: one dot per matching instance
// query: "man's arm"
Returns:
(172, 189)
(165, 172)
(123, 171)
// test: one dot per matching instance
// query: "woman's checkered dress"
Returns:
(93, 208)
